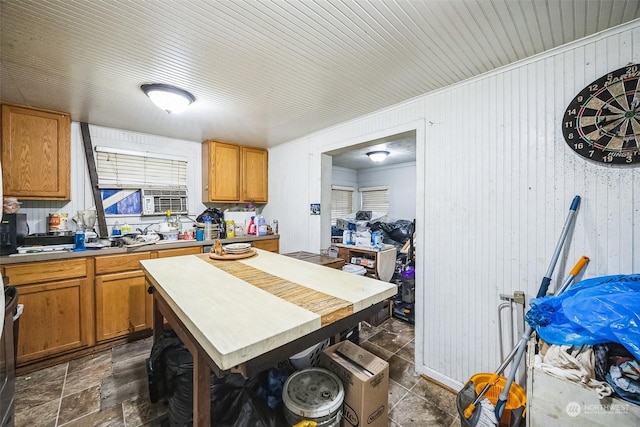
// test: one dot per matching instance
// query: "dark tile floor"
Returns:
(110, 388)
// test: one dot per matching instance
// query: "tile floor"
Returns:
(110, 388)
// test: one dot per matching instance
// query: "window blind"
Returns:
(121, 169)
(375, 199)
(341, 202)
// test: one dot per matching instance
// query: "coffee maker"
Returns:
(13, 228)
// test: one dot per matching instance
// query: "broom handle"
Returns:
(574, 272)
(544, 286)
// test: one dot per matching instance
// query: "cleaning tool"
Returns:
(489, 415)
(544, 286)
(522, 345)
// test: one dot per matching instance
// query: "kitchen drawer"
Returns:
(45, 271)
(194, 250)
(120, 263)
(271, 245)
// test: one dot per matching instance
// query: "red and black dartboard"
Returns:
(602, 123)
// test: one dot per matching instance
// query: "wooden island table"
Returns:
(247, 315)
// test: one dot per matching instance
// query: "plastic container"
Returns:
(208, 229)
(57, 222)
(115, 230)
(376, 240)
(251, 227)
(313, 394)
(231, 229)
(310, 357)
(354, 269)
(262, 226)
(171, 235)
(514, 408)
(78, 241)
(347, 236)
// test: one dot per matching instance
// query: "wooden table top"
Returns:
(238, 310)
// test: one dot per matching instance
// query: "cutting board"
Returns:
(230, 257)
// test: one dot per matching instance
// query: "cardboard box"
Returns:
(366, 384)
(342, 224)
(363, 238)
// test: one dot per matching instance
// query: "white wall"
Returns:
(401, 180)
(499, 180)
(81, 194)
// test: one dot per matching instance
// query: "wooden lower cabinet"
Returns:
(58, 307)
(123, 305)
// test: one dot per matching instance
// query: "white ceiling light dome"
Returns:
(378, 156)
(168, 98)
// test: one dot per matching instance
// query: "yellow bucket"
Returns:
(517, 397)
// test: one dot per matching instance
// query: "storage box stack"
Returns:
(365, 378)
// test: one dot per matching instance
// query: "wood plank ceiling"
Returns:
(265, 72)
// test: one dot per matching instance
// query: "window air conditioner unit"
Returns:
(156, 201)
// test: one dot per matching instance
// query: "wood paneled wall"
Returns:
(495, 181)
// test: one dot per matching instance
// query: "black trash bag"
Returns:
(217, 218)
(156, 366)
(237, 402)
(401, 230)
(363, 215)
(179, 381)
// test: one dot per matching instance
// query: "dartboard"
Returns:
(602, 123)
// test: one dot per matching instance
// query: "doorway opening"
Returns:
(356, 186)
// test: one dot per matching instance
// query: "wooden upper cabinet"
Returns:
(255, 174)
(221, 172)
(232, 173)
(35, 153)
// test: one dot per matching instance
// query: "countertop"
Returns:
(249, 307)
(160, 245)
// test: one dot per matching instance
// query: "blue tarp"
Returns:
(593, 311)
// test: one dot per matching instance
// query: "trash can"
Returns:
(9, 340)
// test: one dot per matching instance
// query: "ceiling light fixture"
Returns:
(168, 98)
(378, 156)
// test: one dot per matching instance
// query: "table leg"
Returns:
(201, 391)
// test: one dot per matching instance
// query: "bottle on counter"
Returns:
(208, 229)
(115, 230)
(231, 229)
(251, 228)
(79, 238)
(262, 226)
(171, 220)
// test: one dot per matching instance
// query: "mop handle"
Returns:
(544, 286)
(522, 345)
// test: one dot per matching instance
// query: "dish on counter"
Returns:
(237, 248)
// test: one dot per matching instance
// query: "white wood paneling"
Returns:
(499, 179)
(264, 72)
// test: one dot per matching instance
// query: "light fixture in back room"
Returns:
(378, 156)
(168, 98)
